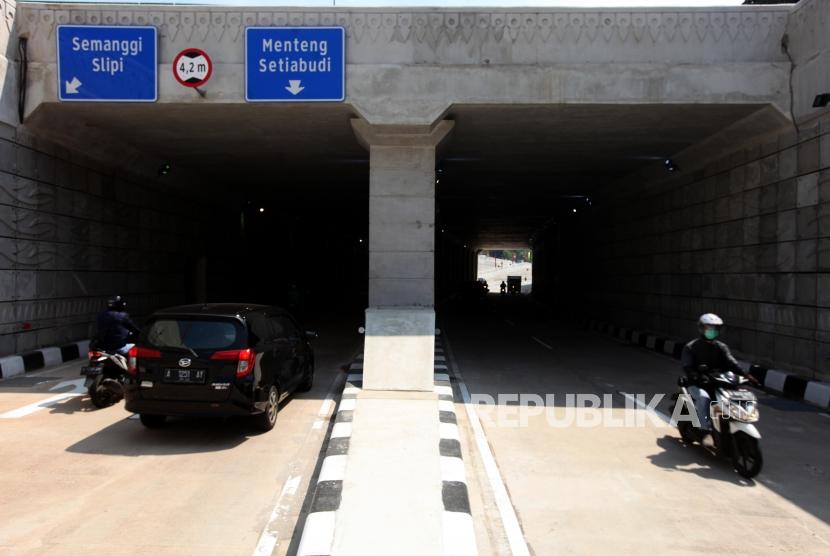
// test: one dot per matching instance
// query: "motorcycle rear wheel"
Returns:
(99, 395)
(746, 455)
(686, 430)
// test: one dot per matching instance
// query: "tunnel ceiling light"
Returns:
(261, 209)
(821, 100)
(360, 240)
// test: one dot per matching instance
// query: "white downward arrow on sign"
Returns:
(72, 86)
(294, 86)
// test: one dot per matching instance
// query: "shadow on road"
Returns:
(685, 458)
(180, 435)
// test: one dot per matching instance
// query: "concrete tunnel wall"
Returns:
(743, 232)
(75, 230)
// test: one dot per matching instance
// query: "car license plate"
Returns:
(90, 371)
(185, 376)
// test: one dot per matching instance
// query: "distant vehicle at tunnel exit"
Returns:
(514, 284)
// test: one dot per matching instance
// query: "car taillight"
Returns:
(137, 353)
(94, 355)
(243, 357)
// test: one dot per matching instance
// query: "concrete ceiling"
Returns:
(505, 170)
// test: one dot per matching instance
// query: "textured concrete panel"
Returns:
(807, 194)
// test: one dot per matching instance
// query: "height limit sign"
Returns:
(192, 67)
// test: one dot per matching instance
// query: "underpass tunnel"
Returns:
(647, 216)
(168, 204)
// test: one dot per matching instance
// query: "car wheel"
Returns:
(308, 379)
(153, 421)
(266, 420)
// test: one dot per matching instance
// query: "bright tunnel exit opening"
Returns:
(510, 270)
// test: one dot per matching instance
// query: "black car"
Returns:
(218, 359)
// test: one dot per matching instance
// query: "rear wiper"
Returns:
(191, 350)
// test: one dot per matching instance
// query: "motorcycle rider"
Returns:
(115, 327)
(715, 355)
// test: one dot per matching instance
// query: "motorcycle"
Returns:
(734, 412)
(105, 375)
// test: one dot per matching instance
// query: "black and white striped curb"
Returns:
(458, 532)
(775, 381)
(13, 365)
(318, 532)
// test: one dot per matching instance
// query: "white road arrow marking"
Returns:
(294, 86)
(77, 386)
(72, 86)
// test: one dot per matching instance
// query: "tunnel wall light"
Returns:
(821, 100)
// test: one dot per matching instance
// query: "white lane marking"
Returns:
(825, 415)
(515, 537)
(77, 386)
(642, 405)
(37, 406)
(269, 537)
(347, 405)
(540, 342)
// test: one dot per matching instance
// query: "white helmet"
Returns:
(709, 320)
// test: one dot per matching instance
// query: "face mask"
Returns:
(710, 334)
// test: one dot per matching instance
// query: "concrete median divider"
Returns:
(324, 526)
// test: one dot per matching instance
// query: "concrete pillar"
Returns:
(400, 320)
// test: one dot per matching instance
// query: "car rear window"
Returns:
(196, 334)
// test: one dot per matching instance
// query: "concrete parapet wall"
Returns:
(410, 65)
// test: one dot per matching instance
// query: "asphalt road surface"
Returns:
(628, 490)
(76, 480)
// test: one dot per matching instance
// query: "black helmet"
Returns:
(117, 303)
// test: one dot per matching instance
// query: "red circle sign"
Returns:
(192, 67)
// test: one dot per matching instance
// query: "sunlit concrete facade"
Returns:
(406, 71)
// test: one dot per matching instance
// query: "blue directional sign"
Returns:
(295, 64)
(107, 64)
